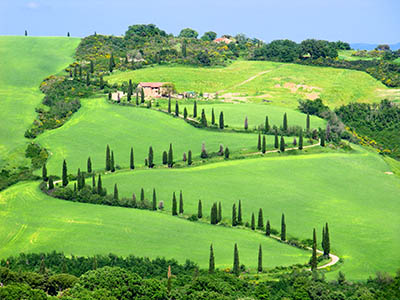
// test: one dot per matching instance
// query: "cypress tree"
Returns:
(219, 216)
(221, 120)
(226, 152)
(195, 109)
(154, 200)
(180, 202)
(240, 220)
(170, 157)
(203, 118)
(214, 212)
(116, 192)
(285, 123)
(99, 186)
(314, 261)
(236, 267)
(142, 95)
(234, 218)
(176, 109)
(89, 165)
(64, 174)
(109, 95)
(87, 79)
(112, 162)
(327, 249)
(101, 82)
(26, 32)
(131, 160)
(44, 173)
(283, 228)
(212, 116)
(282, 146)
(169, 104)
(259, 142)
(51, 183)
(301, 140)
(199, 210)
(91, 66)
(94, 184)
(246, 123)
(190, 157)
(253, 222)
(74, 187)
(322, 138)
(174, 205)
(276, 145)
(264, 145)
(266, 126)
(142, 195)
(260, 221)
(268, 229)
(108, 158)
(308, 122)
(150, 159)
(137, 97)
(185, 113)
(111, 63)
(79, 179)
(260, 264)
(211, 265)
(164, 158)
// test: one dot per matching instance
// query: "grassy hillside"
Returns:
(282, 84)
(33, 222)
(342, 189)
(25, 61)
(347, 55)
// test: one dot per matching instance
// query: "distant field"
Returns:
(24, 63)
(345, 190)
(256, 81)
(347, 55)
(33, 222)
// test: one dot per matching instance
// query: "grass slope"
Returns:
(25, 61)
(283, 84)
(33, 222)
(345, 190)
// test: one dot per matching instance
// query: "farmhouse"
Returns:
(223, 40)
(153, 89)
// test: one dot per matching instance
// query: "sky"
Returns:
(354, 21)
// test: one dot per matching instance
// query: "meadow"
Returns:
(25, 62)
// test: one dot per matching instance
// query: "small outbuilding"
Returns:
(154, 89)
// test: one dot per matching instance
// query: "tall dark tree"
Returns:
(301, 140)
(285, 123)
(64, 174)
(322, 138)
(276, 144)
(44, 173)
(151, 157)
(116, 192)
(264, 145)
(164, 158)
(260, 260)
(51, 183)
(94, 189)
(199, 210)
(314, 261)
(283, 228)
(221, 120)
(219, 215)
(142, 95)
(91, 67)
(111, 63)
(236, 264)
(112, 162)
(240, 220)
(101, 83)
(190, 161)
(308, 122)
(99, 186)
(169, 104)
(212, 116)
(253, 222)
(26, 32)
(246, 123)
(282, 145)
(170, 157)
(326, 241)
(226, 152)
(185, 113)
(176, 109)
(260, 221)
(131, 160)
(268, 229)
(266, 126)
(211, 265)
(108, 158)
(203, 118)
(195, 109)
(154, 206)
(174, 205)
(137, 97)
(259, 142)
(234, 217)
(180, 203)
(142, 198)
(79, 180)
(214, 214)
(89, 165)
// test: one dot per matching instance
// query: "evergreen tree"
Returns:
(314, 261)
(170, 157)
(282, 146)
(285, 123)
(253, 222)
(211, 266)
(221, 120)
(199, 210)
(74, 188)
(26, 32)
(322, 138)
(164, 158)
(99, 186)
(169, 104)
(141, 95)
(240, 220)
(234, 218)
(51, 183)
(130, 91)
(264, 145)
(212, 116)
(268, 229)
(109, 95)
(283, 228)
(266, 126)
(112, 162)
(64, 174)
(276, 145)
(259, 142)
(226, 152)
(91, 67)
(214, 213)
(116, 192)
(203, 118)
(219, 216)
(111, 63)
(94, 190)
(195, 109)
(137, 97)
(79, 179)
(308, 122)
(180, 203)
(260, 221)
(176, 109)
(327, 243)
(246, 123)
(154, 200)
(108, 158)
(89, 165)
(301, 140)
(101, 82)
(150, 158)
(185, 113)
(44, 173)
(174, 205)
(142, 195)
(131, 160)
(190, 157)
(260, 260)
(236, 266)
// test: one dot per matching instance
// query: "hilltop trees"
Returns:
(188, 33)
(209, 36)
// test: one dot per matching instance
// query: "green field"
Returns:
(25, 61)
(345, 190)
(235, 114)
(347, 55)
(257, 81)
(33, 222)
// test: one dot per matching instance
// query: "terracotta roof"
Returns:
(152, 84)
(222, 39)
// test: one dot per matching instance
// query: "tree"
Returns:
(142, 95)
(99, 186)
(94, 184)
(240, 220)
(266, 126)
(142, 198)
(174, 205)
(108, 158)
(79, 180)
(190, 158)
(253, 222)
(111, 63)
(234, 218)
(282, 146)
(236, 266)
(268, 229)
(116, 192)
(130, 91)
(214, 213)
(322, 138)
(212, 116)
(26, 32)
(301, 140)
(51, 183)
(195, 109)
(131, 160)
(180, 203)
(185, 113)
(64, 174)
(44, 173)
(314, 261)
(326, 241)
(91, 66)
(260, 221)
(246, 123)
(226, 152)
(308, 122)
(260, 264)
(276, 145)
(203, 118)
(176, 109)
(164, 158)
(221, 120)
(259, 142)
(89, 165)
(150, 157)
(112, 162)
(283, 228)
(154, 200)
(219, 216)
(211, 265)
(170, 157)
(199, 210)
(285, 123)
(137, 97)
(209, 36)
(188, 33)
(264, 145)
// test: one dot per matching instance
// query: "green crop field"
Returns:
(345, 190)
(25, 61)
(257, 81)
(33, 222)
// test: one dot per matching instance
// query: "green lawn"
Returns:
(282, 84)
(33, 222)
(350, 191)
(347, 55)
(25, 61)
